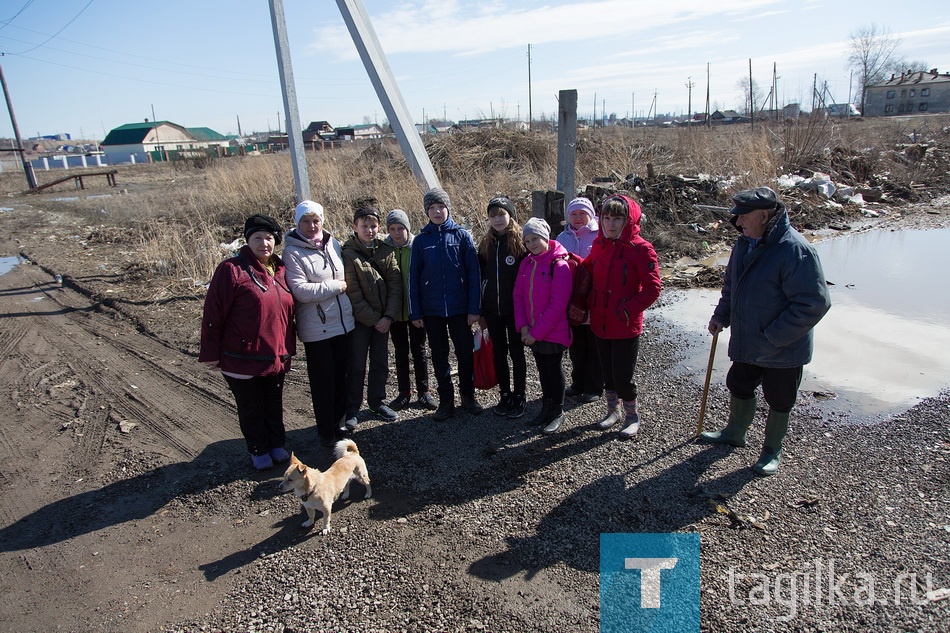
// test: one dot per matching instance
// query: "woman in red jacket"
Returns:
(625, 282)
(247, 334)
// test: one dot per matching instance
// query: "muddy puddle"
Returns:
(885, 344)
(7, 264)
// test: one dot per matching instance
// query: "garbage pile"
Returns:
(686, 217)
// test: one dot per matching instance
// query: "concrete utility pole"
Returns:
(530, 117)
(27, 168)
(374, 60)
(292, 115)
(566, 141)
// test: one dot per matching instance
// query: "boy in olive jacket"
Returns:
(374, 287)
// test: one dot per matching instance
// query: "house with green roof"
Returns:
(136, 142)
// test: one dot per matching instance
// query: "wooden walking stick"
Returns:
(709, 367)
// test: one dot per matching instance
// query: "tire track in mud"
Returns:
(120, 373)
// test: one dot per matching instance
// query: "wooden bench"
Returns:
(109, 174)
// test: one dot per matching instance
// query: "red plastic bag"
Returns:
(485, 377)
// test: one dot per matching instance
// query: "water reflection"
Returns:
(883, 346)
(7, 264)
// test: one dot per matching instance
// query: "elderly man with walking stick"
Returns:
(773, 295)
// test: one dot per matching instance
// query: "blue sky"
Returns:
(84, 67)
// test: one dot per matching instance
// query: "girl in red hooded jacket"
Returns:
(625, 282)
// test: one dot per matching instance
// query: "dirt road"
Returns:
(102, 428)
(127, 503)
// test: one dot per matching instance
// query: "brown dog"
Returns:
(318, 490)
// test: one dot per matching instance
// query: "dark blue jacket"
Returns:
(443, 272)
(772, 298)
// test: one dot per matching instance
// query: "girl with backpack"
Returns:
(541, 296)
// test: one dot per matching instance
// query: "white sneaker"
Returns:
(612, 418)
(351, 423)
(630, 430)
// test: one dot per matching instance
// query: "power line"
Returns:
(59, 31)
(6, 22)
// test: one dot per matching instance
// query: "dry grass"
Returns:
(177, 215)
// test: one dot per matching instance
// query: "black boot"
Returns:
(544, 415)
(555, 419)
(446, 409)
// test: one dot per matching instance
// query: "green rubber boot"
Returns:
(741, 413)
(775, 429)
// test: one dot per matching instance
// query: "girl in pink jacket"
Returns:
(542, 293)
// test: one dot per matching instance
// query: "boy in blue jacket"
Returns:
(445, 299)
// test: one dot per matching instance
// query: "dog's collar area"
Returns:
(305, 496)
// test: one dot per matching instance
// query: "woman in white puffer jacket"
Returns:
(323, 313)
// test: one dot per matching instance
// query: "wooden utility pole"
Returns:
(775, 90)
(751, 96)
(689, 100)
(27, 168)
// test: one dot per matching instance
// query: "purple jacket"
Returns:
(579, 241)
(540, 299)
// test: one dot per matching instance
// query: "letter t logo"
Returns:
(650, 578)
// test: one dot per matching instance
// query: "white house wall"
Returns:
(165, 134)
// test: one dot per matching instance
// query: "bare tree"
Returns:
(872, 56)
(913, 66)
(749, 102)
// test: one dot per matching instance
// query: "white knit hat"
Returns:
(307, 207)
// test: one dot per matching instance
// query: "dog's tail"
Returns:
(343, 447)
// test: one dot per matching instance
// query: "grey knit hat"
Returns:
(398, 216)
(435, 195)
(536, 226)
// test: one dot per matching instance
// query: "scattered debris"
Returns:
(738, 521)
(806, 502)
